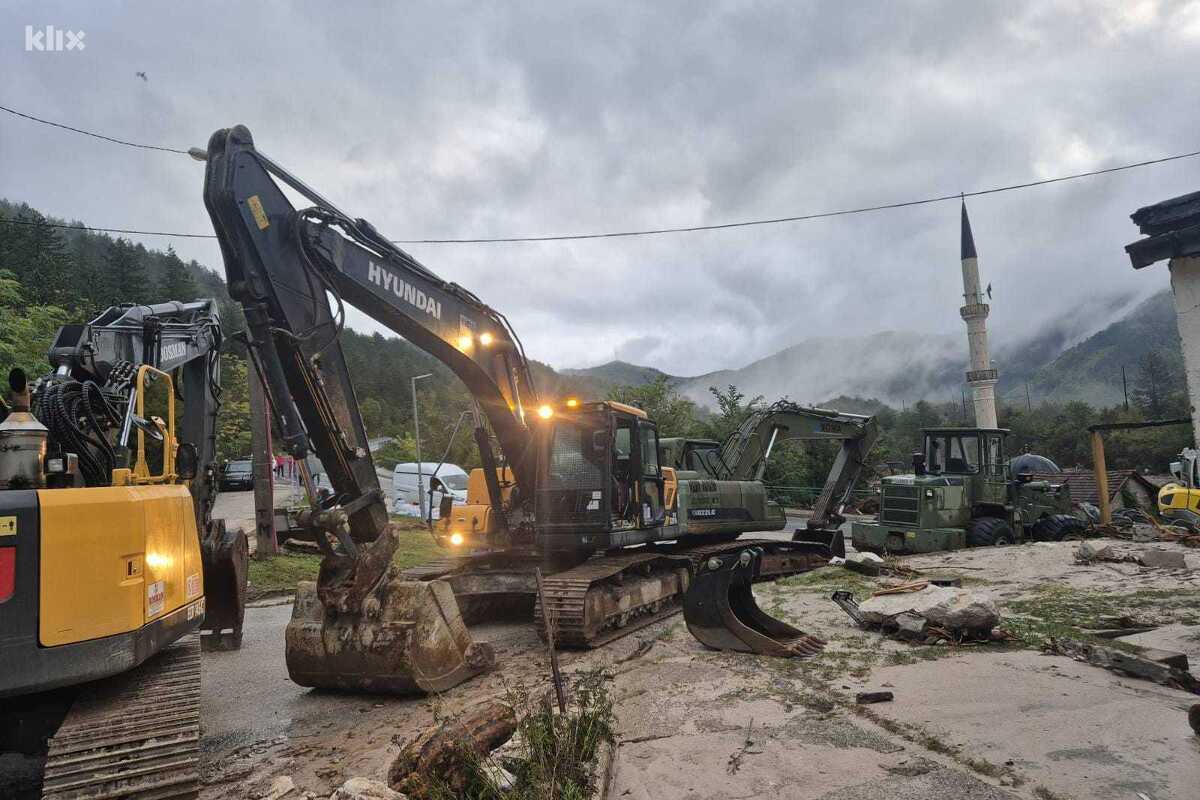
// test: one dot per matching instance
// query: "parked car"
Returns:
(451, 480)
(237, 475)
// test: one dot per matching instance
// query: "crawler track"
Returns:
(614, 595)
(133, 736)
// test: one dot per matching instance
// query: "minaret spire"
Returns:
(980, 377)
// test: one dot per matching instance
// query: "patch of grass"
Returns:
(1042, 793)
(1065, 612)
(278, 575)
(828, 580)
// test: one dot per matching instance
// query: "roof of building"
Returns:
(1083, 483)
(1172, 228)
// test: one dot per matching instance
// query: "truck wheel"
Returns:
(984, 531)
(1059, 528)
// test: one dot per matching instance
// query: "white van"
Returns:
(406, 495)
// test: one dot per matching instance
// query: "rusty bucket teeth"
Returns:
(721, 612)
(410, 639)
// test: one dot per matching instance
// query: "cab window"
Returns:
(649, 442)
(957, 454)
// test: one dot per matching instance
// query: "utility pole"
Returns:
(1028, 402)
(966, 421)
(1125, 387)
(264, 468)
(417, 434)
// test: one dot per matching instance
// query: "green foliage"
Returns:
(1158, 388)
(674, 413)
(26, 331)
(176, 282)
(399, 451)
(233, 419)
(557, 753)
(733, 409)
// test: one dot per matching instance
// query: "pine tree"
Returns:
(1156, 387)
(124, 274)
(176, 282)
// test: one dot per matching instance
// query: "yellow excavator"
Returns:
(112, 570)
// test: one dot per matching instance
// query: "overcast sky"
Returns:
(499, 119)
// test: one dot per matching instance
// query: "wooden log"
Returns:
(442, 756)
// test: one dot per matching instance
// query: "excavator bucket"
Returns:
(226, 556)
(721, 612)
(411, 640)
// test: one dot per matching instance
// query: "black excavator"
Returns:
(575, 490)
(110, 559)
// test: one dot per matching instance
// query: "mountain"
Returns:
(1091, 370)
(619, 373)
(897, 367)
(901, 367)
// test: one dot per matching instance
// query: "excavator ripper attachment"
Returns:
(226, 556)
(721, 612)
(408, 639)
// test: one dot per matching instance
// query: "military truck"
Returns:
(962, 494)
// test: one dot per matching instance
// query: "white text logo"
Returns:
(53, 40)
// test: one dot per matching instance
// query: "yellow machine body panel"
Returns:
(114, 559)
(1176, 497)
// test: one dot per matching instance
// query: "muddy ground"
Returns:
(989, 721)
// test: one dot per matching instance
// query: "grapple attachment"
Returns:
(409, 639)
(721, 612)
(225, 555)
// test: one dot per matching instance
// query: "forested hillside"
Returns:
(51, 275)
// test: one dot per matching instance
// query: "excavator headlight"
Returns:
(465, 341)
(545, 412)
(485, 339)
(456, 539)
(572, 402)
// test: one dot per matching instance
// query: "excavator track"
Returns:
(613, 595)
(133, 736)
(607, 597)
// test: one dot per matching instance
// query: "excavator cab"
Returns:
(599, 476)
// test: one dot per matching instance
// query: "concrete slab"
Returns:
(1078, 730)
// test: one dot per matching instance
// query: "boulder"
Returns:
(965, 611)
(365, 789)
(1090, 551)
(946, 607)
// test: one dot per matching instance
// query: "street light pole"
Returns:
(417, 433)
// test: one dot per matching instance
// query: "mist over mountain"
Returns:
(901, 367)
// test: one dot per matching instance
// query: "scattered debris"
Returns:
(865, 698)
(1137, 666)
(1089, 552)
(912, 767)
(735, 758)
(1163, 559)
(926, 613)
(365, 789)
(280, 785)
(301, 546)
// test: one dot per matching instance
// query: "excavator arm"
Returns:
(746, 451)
(287, 267)
(293, 272)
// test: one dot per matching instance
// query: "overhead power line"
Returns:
(94, 135)
(616, 234)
